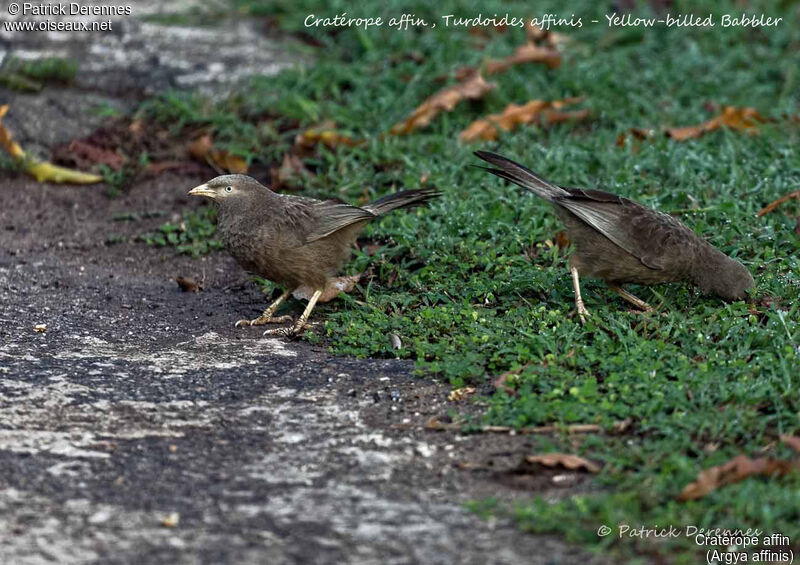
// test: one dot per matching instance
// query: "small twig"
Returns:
(775, 203)
(435, 425)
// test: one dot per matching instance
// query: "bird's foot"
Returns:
(261, 320)
(583, 313)
(291, 332)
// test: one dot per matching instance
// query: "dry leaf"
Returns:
(325, 135)
(473, 87)
(459, 394)
(488, 128)
(565, 460)
(538, 35)
(291, 168)
(735, 470)
(42, 171)
(775, 203)
(171, 520)
(639, 134)
(40, 328)
(203, 149)
(188, 284)
(528, 53)
(562, 239)
(332, 289)
(745, 120)
(791, 441)
(501, 382)
(94, 154)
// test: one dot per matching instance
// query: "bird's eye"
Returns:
(228, 189)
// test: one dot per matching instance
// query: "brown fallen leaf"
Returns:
(289, 170)
(42, 171)
(332, 289)
(527, 53)
(188, 284)
(565, 460)
(791, 441)
(203, 150)
(775, 203)
(472, 87)
(746, 120)
(459, 394)
(330, 138)
(543, 111)
(737, 469)
(98, 155)
(562, 239)
(535, 34)
(501, 381)
(40, 328)
(639, 134)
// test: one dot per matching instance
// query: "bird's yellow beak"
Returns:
(202, 190)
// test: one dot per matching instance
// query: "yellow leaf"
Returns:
(41, 170)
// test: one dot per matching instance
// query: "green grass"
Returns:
(473, 288)
(32, 75)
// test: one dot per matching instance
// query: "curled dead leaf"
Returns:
(745, 120)
(221, 160)
(42, 171)
(536, 34)
(290, 169)
(791, 441)
(564, 460)
(527, 53)
(473, 87)
(639, 134)
(330, 138)
(542, 111)
(459, 394)
(171, 520)
(737, 469)
(40, 328)
(188, 284)
(562, 239)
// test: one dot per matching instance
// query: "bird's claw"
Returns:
(260, 321)
(291, 332)
(583, 313)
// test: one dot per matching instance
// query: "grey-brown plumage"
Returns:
(293, 241)
(621, 241)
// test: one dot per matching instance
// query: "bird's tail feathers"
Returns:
(523, 176)
(402, 199)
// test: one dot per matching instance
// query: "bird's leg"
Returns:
(266, 317)
(300, 324)
(638, 302)
(576, 284)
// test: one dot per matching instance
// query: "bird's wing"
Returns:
(644, 233)
(331, 216)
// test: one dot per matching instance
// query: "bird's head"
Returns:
(719, 274)
(232, 192)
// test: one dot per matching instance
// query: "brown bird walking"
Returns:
(293, 241)
(620, 241)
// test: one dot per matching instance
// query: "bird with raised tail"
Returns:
(294, 241)
(621, 241)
